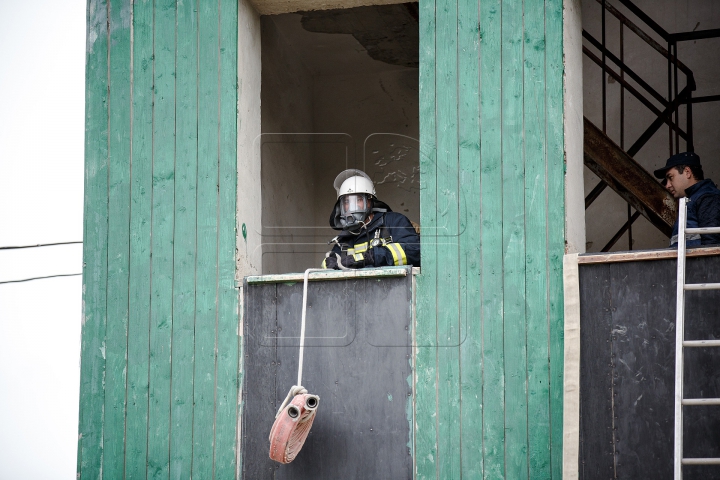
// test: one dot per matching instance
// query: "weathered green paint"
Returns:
(140, 234)
(118, 240)
(228, 341)
(489, 310)
(446, 206)
(207, 232)
(513, 237)
(536, 207)
(491, 239)
(95, 248)
(471, 401)
(554, 70)
(426, 430)
(160, 327)
(185, 244)
(162, 224)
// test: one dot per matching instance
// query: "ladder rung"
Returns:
(702, 286)
(701, 461)
(701, 401)
(701, 343)
(703, 230)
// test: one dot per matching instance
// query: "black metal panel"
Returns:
(628, 334)
(357, 359)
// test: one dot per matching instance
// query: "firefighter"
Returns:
(372, 235)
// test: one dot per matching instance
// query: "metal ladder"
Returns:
(681, 343)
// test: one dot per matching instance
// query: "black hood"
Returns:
(378, 207)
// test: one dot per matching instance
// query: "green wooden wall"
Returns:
(489, 299)
(159, 375)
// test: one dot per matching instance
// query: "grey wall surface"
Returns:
(357, 359)
(609, 212)
(328, 106)
(288, 182)
(627, 368)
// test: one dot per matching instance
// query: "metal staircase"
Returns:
(629, 179)
(611, 160)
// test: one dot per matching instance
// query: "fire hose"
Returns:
(297, 412)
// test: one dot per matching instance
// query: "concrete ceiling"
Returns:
(389, 33)
(274, 7)
(352, 41)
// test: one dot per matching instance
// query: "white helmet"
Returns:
(355, 191)
(353, 181)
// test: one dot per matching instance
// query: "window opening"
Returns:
(339, 91)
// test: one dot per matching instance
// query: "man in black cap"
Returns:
(683, 177)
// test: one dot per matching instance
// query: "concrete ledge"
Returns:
(334, 275)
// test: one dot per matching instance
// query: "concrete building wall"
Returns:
(286, 150)
(249, 204)
(608, 213)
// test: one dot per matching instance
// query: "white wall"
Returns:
(608, 213)
(249, 205)
(573, 127)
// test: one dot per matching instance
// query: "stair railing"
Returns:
(667, 112)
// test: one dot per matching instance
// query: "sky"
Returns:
(42, 70)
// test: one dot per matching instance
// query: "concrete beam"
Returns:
(275, 7)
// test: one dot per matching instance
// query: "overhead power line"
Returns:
(38, 245)
(41, 278)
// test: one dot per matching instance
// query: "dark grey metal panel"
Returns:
(595, 391)
(357, 359)
(635, 346)
(258, 391)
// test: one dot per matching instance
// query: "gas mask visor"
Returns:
(354, 209)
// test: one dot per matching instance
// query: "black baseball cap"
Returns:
(684, 158)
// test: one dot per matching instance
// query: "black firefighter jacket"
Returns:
(397, 241)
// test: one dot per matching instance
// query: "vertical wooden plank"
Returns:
(207, 235)
(471, 400)
(536, 242)
(556, 218)
(225, 461)
(426, 440)
(140, 234)
(92, 375)
(491, 239)
(118, 240)
(163, 205)
(448, 287)
(185, 242)
(513, 234)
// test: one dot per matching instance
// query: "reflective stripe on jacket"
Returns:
(404, 249)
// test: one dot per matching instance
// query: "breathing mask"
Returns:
(354, 209)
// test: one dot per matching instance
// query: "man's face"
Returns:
(676, 182)
(353, 203)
